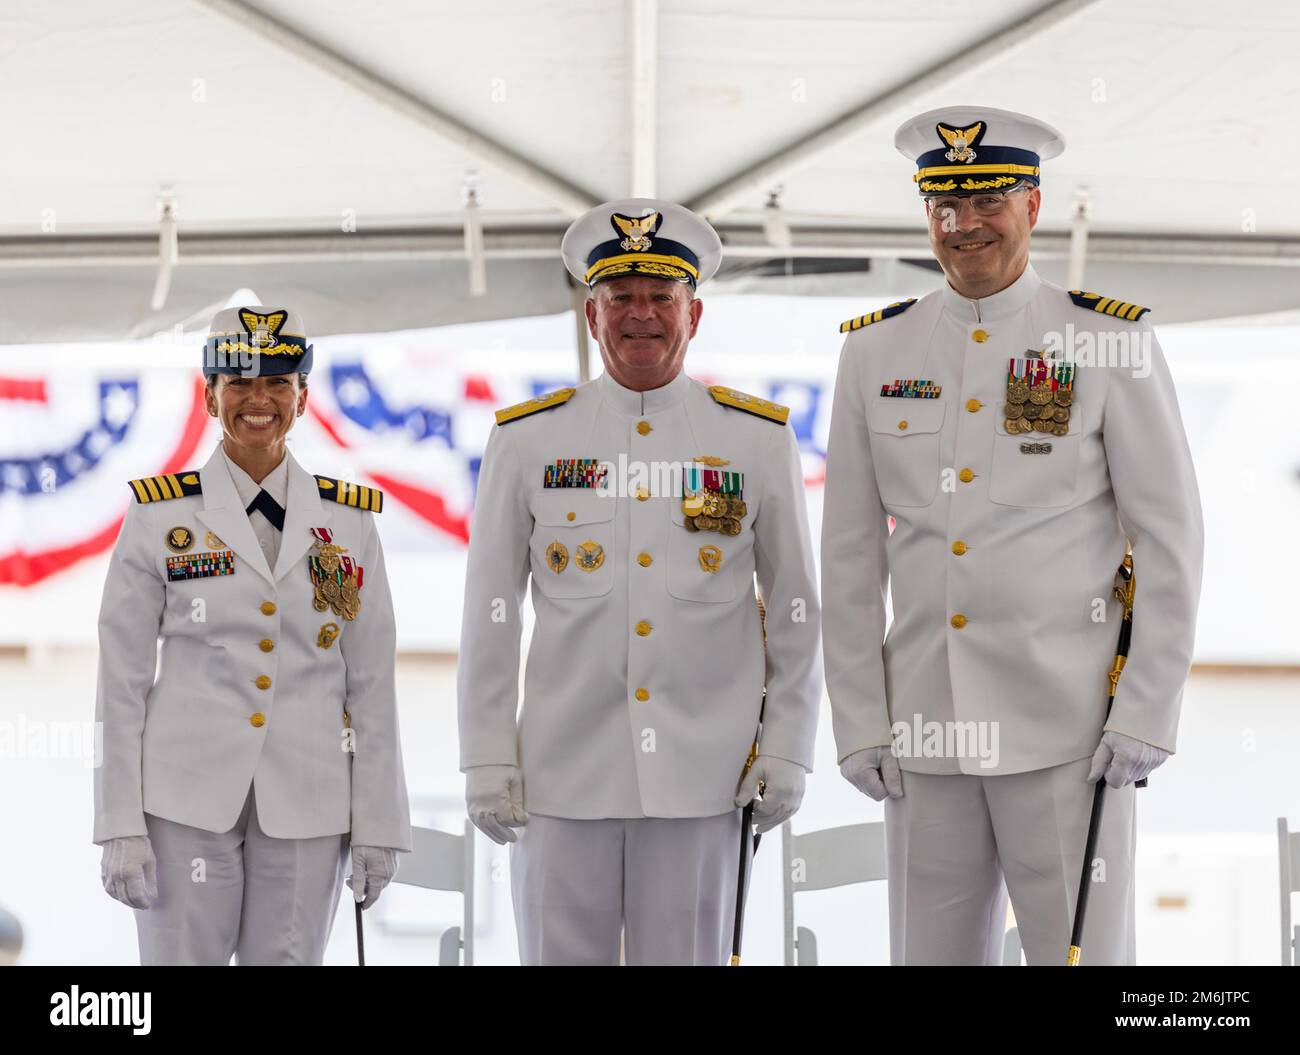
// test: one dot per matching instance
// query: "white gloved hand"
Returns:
(1124, 759)
(874, 771)
(783, 784)
(130, 871)
(494, 799)
(373, 868)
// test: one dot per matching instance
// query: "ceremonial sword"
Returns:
(1125, 585)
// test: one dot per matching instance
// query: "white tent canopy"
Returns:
(325, 151)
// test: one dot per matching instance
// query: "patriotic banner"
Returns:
(68, 443)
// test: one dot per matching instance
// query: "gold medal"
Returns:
(693, 505)
(736, 507)
(1064, 397)
(350, 600)
(710, 559)
(730, 526)
(1032, 411)
(1014, 410)
(557, 557)
(715, 505)
(328, 633)
(690, 524)
(703, 523)
(1017, 391)
(589, 555)
(179, 539)
(1060, 430)
(1061, 414)
(1040, 394)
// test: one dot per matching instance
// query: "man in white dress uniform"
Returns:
(641, 505)
(1020, 437)
(244, 757)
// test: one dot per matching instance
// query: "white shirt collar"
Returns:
(633, 403)
(1000, 305)
(276, 483)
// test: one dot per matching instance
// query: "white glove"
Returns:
(1124, 759)
(494, 799)
(373, 868)
(874, 771)
(130, 871)
(783, 784)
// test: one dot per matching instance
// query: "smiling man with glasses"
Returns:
(1017, 473)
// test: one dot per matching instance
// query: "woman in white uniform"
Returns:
(243, 758)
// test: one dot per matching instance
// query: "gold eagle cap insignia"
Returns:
(263, 330)
(961, 140)
(636, 231)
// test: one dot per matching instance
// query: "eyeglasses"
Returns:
(949, 205)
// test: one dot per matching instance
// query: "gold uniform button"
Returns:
(643, 427)
(959, 547)
(268, 608)
(973, 405)
(257, 720)
(266, 644)
(643, 629)
(642, 493)
(958, 620)
(644, 559)
(570, 516)
(979, 336)
(263, 682)
(642, 695)
(966, 476)
(902, 424)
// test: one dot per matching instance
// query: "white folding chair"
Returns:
(835, 857)
(11, 938)
(832, 857)
(443, 861)
(1288, 863)
(1011, 948)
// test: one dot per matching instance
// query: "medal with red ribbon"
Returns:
(336, 577)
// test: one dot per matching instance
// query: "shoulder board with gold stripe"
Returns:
(887, 312)
(346, 494)
(729, 397)
(1121, 309)
(164, 488)
(533, 406)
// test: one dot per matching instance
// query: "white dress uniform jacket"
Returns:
(188, 726)
(645, 676)
(1042, 535)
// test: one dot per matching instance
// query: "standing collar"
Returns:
(634, 404)
(999, 306)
